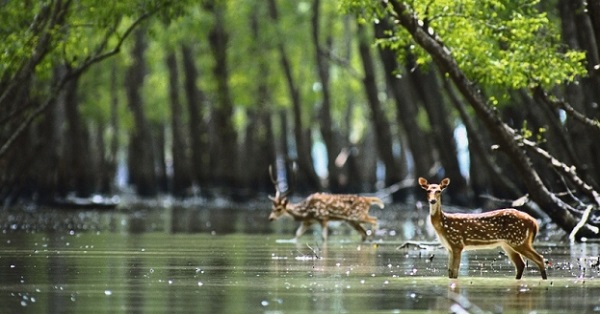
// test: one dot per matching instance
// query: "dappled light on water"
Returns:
(174, 260)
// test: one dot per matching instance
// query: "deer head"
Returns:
(280, 201)
(433, 190)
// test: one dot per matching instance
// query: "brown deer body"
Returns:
(323, 207)
(508, 228)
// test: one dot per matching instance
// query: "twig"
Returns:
(561, 104)
(581, 223)
(570, 172)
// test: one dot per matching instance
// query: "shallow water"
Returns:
(227, 261)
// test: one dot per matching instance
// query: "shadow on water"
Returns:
(224, 259)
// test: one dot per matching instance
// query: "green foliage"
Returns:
(503, 44)
(538, 137)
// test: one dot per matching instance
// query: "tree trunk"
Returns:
(112, 161)
(141, 152)
(407, 110)
(578, 30)
(326, 123)
(224, 167)
(197, 122)
(260, 149)
(181, 180)
(77, 150)
(506, 137)
(381, 125)
(307, 174)
(427, 87)
(159, 137)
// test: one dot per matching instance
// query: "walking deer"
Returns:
(322, 208)
(508, 228)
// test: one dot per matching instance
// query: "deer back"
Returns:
(504, 225)
(337, 206)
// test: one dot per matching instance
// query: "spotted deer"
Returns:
(322, 208)
(508, 228)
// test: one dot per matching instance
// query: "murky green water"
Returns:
(223, 261)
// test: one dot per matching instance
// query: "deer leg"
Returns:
(454, 262)
(535, 257)
(302, 229)
(324, 229)
(359, 228)
(516, 259)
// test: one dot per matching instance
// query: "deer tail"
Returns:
(376, 201)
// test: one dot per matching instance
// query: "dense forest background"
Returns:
(198, 98)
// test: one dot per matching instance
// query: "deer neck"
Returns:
(296, 211)
(435, 213)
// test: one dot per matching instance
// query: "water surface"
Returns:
(232, 261)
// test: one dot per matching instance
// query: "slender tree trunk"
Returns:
(78, 149)
(307, 172)
(407, 110)
(181, 170)
(159, 136)
(141, 153)
(197, 122)
(380, 123)
(224, 167)
(261, 149)
(427, 87)
(326, 123)
(112, 161)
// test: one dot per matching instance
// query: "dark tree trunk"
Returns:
(197, 122)
(418, 140)
(77, 151)
(181, 180)
(427, 87)
(112, 158)
(225, 148)
(380, 122)
(326, 123)
(307, 175)
(141, 152)
(160, 143)
(259, 150)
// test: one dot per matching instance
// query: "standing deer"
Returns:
(508, 228)
(322, 207)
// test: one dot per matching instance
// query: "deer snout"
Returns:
(272, 217)
(432, 201)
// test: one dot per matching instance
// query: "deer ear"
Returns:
(423, 183)
(272, 198)
(445, 183)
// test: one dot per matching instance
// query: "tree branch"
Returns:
(72, 74)
(540, 94)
